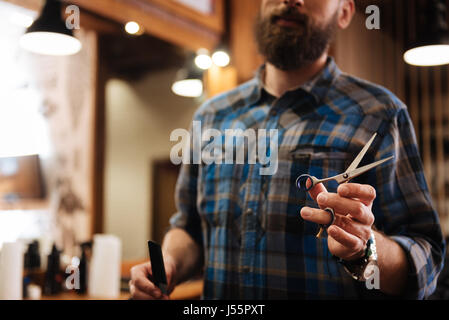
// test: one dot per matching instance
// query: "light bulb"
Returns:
(132, 27)
(221, 58)
(203, 60)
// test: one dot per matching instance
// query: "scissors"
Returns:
(306, 182)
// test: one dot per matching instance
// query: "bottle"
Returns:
(32, 264)
(83, 267)
(53, 276)
(32, 259)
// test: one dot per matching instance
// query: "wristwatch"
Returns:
(357, 268)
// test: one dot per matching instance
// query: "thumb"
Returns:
(170, 270)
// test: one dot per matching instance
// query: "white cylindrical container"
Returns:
(105, 267)
(11, 271)
(34, 292)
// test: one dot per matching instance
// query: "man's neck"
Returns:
(278, 81)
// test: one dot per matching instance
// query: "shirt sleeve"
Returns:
(187, 216)
(404, 209)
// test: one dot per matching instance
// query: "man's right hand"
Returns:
(141, 286)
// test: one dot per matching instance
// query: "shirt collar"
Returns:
(318, 86)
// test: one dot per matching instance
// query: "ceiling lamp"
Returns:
(189, 81)
(188, 84)
(432, 45)
(49, 34)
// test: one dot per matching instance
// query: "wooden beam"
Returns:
(99, 135)
(215, 21)
(100, 25)
(155, 20)
(163, 19)
(245, 55)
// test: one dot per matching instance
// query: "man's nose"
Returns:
(294, 3)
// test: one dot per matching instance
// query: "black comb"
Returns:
(157, 266)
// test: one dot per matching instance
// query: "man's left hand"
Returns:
(348, 235)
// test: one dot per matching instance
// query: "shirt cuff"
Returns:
(421, 278)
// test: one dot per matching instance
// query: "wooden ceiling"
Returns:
(171, 31)
(164, 19)
(131, 58)
(169, 21)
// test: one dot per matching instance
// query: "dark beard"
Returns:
(292, 48)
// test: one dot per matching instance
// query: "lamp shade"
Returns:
(188, 82)
(49, 34)
(431, 47)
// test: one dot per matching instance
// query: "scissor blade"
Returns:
(359, 171)
(361, 154)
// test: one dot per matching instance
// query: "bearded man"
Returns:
(253, 235)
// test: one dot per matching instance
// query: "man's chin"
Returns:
(284, 65)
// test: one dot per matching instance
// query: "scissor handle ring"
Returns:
(301, 182)
(332, 213)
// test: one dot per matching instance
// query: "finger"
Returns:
(349, 241)
(134, 293)
(316, 215)
(355, 228)
(140, 278)
(346, 206)
(141, 270)
(139, 295)
(146, 286)
(316, 190)
(363, 192)
(346, 223)
(170, 272)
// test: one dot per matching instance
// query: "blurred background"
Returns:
(85, 120)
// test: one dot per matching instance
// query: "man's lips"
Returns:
(288, 22)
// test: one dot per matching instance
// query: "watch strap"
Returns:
(356, 269)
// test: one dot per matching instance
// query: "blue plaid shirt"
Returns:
(256, 245)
